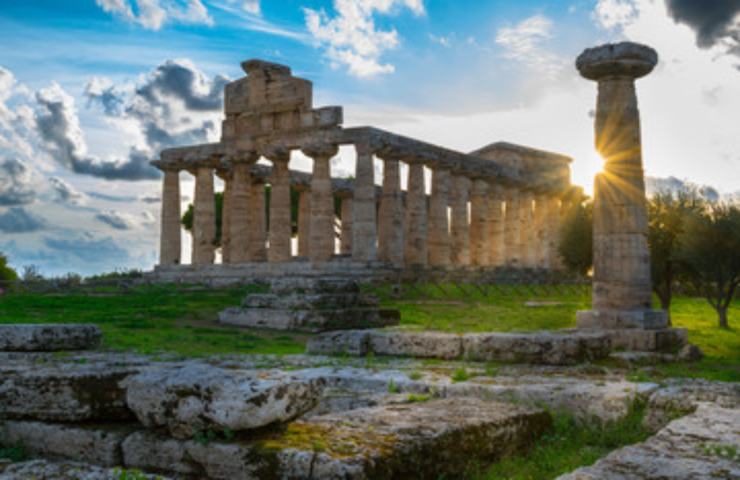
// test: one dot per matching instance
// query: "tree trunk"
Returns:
(723, 323)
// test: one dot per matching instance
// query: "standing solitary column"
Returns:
(239, 218)
(511, 229)
(459, 224)
(304, 221)
(416, 217)
(204, 217)
(280, 228)
(390, 221)
(479, 205)
(364, 213)
(439, 229)
(321, 231)
(257, 223)
(226, 206)
(169, 240)
(621, 282)
(497, 248)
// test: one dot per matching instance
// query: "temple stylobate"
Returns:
(498, 206)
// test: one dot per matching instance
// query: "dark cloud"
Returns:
(64, 191)
(714, 21)
(150, 199)
(117, 220)
(89, 249)
(111, 198)
(182, 81)
(16, 183)
(19, 220)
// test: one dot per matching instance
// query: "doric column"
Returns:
(169, 240)
(552, 227)
(621, 281)
(321, 230)
(415, 235)
(497, 252)
(226, 206)
(542, 252)
(439, 229)
(527, 241)
(304, 221)
(511, 228)
(257, 223)
(241, 212)
(345, 240)
(390, 221)
(204, 217)
(364, 213)
(460, 229)
(280, 228)
(479, 206)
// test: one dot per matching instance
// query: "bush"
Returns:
(7, 275)
(576, 238)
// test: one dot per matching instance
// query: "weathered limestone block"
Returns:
(48, 337)
(95, 444)
(64, 393)
(545, 348)
(346, 342)
(643, 340)
(196, 397)
(215, 460)
(416, 344)
(421, 440)
(45, 470)
(700, 446)
(309, 301)
(309, 320)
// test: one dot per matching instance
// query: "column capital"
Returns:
(616, 60)
(320, 150)
(276, 154)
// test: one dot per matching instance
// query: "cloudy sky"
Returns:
(91, 90)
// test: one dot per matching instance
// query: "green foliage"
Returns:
(460, 375)
(187, 217)
(7, 274)
(417, 398)
(576, 238)
(392, 387)
(14, 454)
(710, 250)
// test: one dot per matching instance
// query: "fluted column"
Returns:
(204, 217)
(240, 213)
(511, 228)
(497, 246)
(364, 213)
(390, 221)
(527, 240)
(226, 206)
(321, 230)
(345, 240)
(460, 229)
(439, 229)
(304, 222)
(552, 226)
(280, 228)
(479, 245)
(540, 223)
(257, 223)
(169, 240)
(415, 234)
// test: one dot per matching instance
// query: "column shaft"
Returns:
(346, 235)
(241, 211)
(280, 228)
(304, 222)
(497, 252)
(511, 229)
(439, 229)
(226, 206)
(415, 235)
(460, 229)
(542, 257)
(364, 213)
(204, 217)
(257, 223)
(552, 225)
(321, 231)
(390, 221)
(169, 240)
(527, 241)
(479, 206)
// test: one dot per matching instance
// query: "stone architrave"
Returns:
(204, 217)
(416, 217)
(479, 211)
(304, 221)
(511, 229)
(390, 221)
(460, 229)
(280, 229)
(621, 281)
(345, 240)
(439, 228)
(496, 246)
(226, 207)
(364, 213)
(241, 213)
(257, 223)
(321, 229)
(170, 243)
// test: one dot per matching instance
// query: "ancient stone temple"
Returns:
(495, 207)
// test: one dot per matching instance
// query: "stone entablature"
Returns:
(270, 113)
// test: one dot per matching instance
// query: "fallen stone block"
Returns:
(416, 344)
(197, 397)
(543, 348)
(638, 339)
(64, 392)
(413, 440)
(342, 342)
(45, 470)
(48, 337)
(95, 444)
(309, 320)
(700, 446)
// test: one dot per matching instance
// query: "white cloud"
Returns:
(523, 43)
(153, 14)
(614, 13)
(66, 192)
(351, 38)
(250, 6)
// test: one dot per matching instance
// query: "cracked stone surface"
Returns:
(45, 470)
(48, 337)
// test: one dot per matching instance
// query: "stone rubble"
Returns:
(48, 337)
(45, 470)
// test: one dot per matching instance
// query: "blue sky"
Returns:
(91, 89)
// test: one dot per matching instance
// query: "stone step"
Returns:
(322, 301)
(547, 348)
(700, 446)
(45, 470)
(48, 337)
(309, 321)
(198, 397)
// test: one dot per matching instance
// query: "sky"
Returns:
(92, 90)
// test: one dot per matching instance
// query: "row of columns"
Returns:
(464, 222)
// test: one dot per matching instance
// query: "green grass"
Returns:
(150, 319)
(568, 445)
